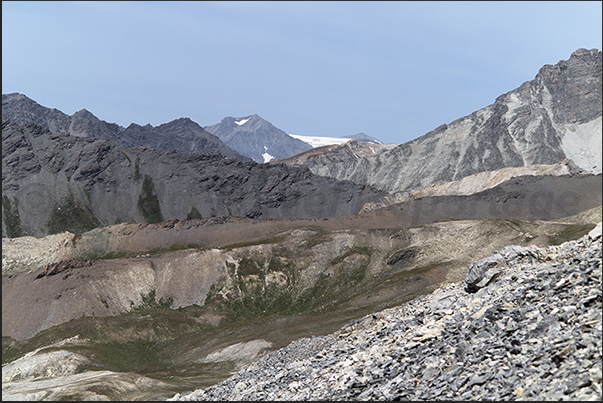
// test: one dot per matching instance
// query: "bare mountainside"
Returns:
(533, 197)
(257, 138)
(182, 135)
(187, 318)
(57, 182)
(555, 116)
(489, 179)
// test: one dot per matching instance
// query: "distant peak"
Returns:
(183, 120)
(16, 96)
(83, 113)
(582, 52)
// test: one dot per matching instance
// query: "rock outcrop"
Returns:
(532, 333)
(555, 116)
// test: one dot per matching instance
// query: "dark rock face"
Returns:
(22, 110)
(257, 138)
(555, 116)
(56, 182)
(182, 135)
(575, 86)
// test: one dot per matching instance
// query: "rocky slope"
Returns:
(555, 116)
(248, 297)
(532, 332)
(257, 138)
(182, 135)
(488, 179)
(57, 182)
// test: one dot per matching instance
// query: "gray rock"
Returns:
(58, 182)
(182, 135)
(529, 362)
(529, 125)
(595, 233)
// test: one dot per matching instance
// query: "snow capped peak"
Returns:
(267, 157)
(242, 121)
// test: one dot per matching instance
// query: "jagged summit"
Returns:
(257, 138)
(556, 115)
(182, 134)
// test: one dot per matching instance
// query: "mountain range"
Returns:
(143, 262)
(556, 115)
(246, 138)
(57, 182)
(182, 135)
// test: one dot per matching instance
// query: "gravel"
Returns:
(525, 325)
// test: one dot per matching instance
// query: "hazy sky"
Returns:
(394, 70)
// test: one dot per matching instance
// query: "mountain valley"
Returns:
(173, 262)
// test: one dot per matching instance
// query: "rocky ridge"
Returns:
(532, 332)
(182, 135)
(57, 182)
(556, 115)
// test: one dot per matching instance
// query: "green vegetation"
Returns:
(253, 294)
(570, 232)
(137, 175)
(193, 214)
(148, 203)
(348, 272)
(71, 216)
(104, 302)
(149, 301)
(10, 215)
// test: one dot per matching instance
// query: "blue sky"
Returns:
(394, 70)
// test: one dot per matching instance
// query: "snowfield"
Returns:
(317, 141)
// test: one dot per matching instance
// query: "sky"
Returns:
(394, 70)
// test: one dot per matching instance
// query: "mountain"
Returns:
(182, 135)
(555, 116)
(365, 138)
(257, 138)
(53, 182)
(167, 272)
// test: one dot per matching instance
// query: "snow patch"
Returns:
(582, 143)
(317, 141)
(267, 157)
(242, 121)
